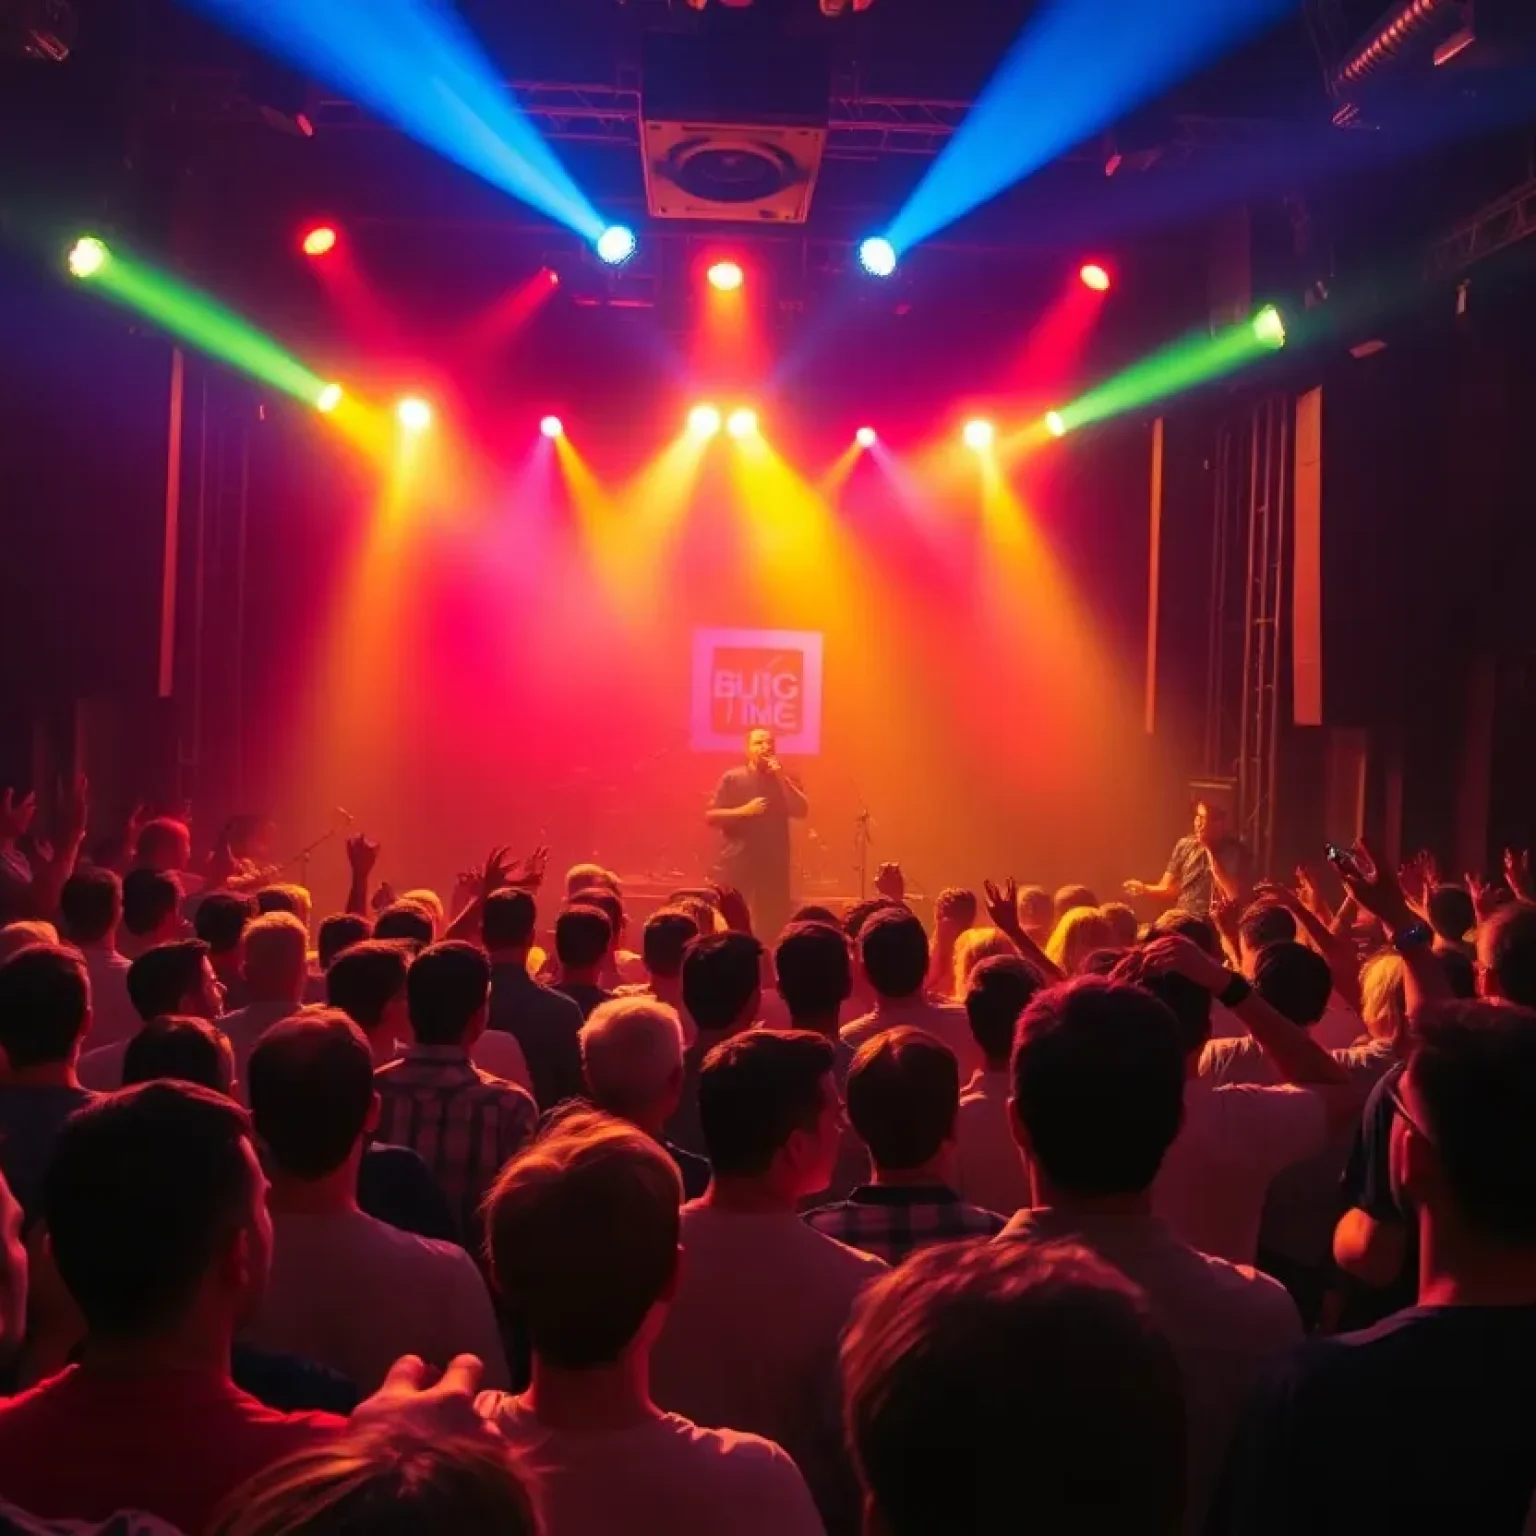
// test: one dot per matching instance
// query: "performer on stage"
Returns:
(752, 806)
(1211, 862)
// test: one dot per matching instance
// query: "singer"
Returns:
(752, 806)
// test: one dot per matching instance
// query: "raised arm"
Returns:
(1378, 890)
(1003, 909)
(1338, 952)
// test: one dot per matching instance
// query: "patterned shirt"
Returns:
(464, 1123)
(893, 1220)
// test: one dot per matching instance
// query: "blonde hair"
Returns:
(1077, 935)
(276, 951)
(631, 1051)
(971, 948)
(284, 896)
(15, 937)
(430, 903)
(1383, 995)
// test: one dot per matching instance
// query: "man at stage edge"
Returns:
(1207, 865)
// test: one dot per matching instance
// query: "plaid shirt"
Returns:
(893, 1220)
(464, 1122)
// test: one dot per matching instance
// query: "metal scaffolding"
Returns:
(1493, 228)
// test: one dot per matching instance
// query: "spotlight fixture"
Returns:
(866, 437)
(328, 398)
(877, 256)
(1268, 327)
(552, 426)
(320, 240)
(978, 434)
(726, 276)
(1055, 424)
(87, 256)
(742, 423)
(1094, 276)
(414, 414)
(704, 421)
(616, 245)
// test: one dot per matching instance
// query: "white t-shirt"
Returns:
(990, 1169)
(355, 1294)
(665, 1477)
(113, 1018)
(1234, 1140)
(946, 1020)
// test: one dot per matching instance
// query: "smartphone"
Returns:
(1342, 859)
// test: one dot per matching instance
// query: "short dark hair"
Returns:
(1460, 973)
(1200, 931)
(183, 1050)
(310, 1083)
(1266, 923)
(721, 974)
(143, 1189)
(149, 897)
(508, 919)
(583, 935)
(340, 932)
(1036, 906)
(1043, 1373)
(814, 969)
(1451, 912)
(1187, 1000)
(894, 951)
(1473, 1070)
(407, 923)
(860, 912)
(667, 934)
(366, 979)
(956, 902)
(1295, 981)
(812, 912)
(755, 1090)
(161, 977)
(1098, 1085)
(903, 1094)
(90, 904)
(607, 901)
(282, 897)
(1001, 989)
(1122, 922)
(221, 918)
(45, 1000)
(161, 837)
(1069, 897)
(448, 985)
(1507, 945)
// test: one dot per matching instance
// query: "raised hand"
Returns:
(528, 872)
(1226, 913)
(733, 908)
(447, 1407)
(362, 855)
(891, 883)
(1517, 871)
(74, 809)
(222, 865)
(1374, 887)
(1174, 955)
(1486, 896)
(1002, 903)
(15, 815)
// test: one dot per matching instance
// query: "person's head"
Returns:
(859, 914)
(1506, 955)
(893, 954)
(164, 844)
(1188, 1001)
(430, 903)
(1076, 935)
(367, 983)
(220, 922)
(1037, 910)
(157, 1212)
(760, 746)
(1383, 995)
(1464, 1140)
(583, 937)
(338, 933)
(1069, 898)
(1200, 931)
(1451, 913)
(1295, 981)
(1263, 924)
(403, 922)
(667, 934)
(813, 912)
(1043, 1374)
(175, 978)
(1210, 818)
(769, 1111)
(383, 1480)
(954, 909)
(90, 906)
(1460, 972)
(45, 1007)
(582, 1232)
(1000, 989)
(507, 923)
(276, 965)
(722, 981)
(152, 905)
(632, 1059)
(448, 993)
(903, 1094)
(701, 910)
(1123, 923)
(26, 934)
(814, 970)
(609, 904)
(286, 897)
(310, 1083)
(1098, 1088)
(181, 1049)
(971, 948)
(584, 877)
(249, 835)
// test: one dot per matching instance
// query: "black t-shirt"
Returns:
(754, 842)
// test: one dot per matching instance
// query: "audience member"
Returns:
(583, 1233)
(292, 899)
(220, 922)
(583, 939)
(276, 971)
(340, 932)
(182, 1049)
(367, 983)
(632, 1056)
(1506, 955)
(1037, 913)
(171, 979)
(1383, 997)
(1068, 899)
(1124, 927)
(90, 909)
(586, 877)
(903, 1094)
(345, 1289)
(26, 934)
(621, 967)
(151, 911)
(405, 922)
(1077, 935)
(1262, 924)
(814, 971)
(954, 911)
(430, 903)
(667, 933)
(972, 947)
(766, 1362)
(164, 845)
(1453, 917)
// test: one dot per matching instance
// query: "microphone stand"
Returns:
(303, 856)
(863, 839)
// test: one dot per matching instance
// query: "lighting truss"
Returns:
(1493, 228)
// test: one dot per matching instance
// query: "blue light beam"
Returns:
(415, 63)
(1077, 67)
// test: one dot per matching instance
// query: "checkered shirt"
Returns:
(893, 1220)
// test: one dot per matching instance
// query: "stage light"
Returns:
(87, 256)
(616, 245)
(552, 426)
(703, 421)
(1055, 424)
(328, 398)
(978, 434)
(877, 256)
(318, 241)
(1094, 276)
(865, 437)
(742, 423)
(1269, 327)
(727, 276)
(414, 414)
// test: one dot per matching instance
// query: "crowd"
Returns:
(1053, 1216)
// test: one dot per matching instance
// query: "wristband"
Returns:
(1415, 936)
(1236, 992)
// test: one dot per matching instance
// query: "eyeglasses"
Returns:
(1394, 1093)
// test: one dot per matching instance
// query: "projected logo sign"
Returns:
(744, 679)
